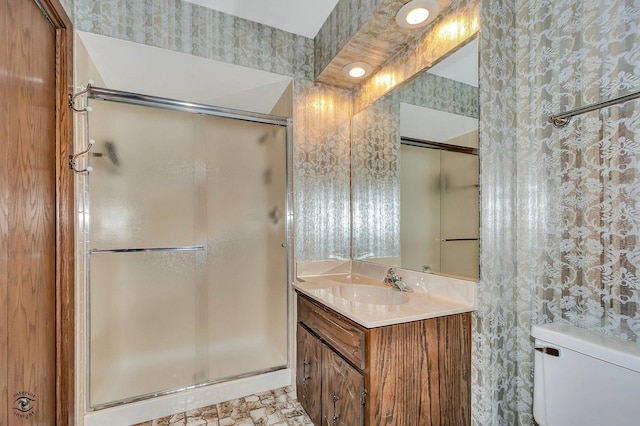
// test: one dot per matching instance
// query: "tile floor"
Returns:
(278, 407)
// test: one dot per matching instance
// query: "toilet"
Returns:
(584, 378)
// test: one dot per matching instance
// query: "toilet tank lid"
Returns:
(606, 348)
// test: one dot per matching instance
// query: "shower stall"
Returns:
(184, 225)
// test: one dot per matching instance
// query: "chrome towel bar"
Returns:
(561, 120)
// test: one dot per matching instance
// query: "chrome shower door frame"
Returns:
(83, 226)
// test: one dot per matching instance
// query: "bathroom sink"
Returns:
(369, 294)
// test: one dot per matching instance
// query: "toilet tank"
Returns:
(584, 378)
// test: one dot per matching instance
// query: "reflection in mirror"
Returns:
(415, 172)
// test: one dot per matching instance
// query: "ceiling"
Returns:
(461, 65)
(303, 17)
(125, 65)
(306, 17)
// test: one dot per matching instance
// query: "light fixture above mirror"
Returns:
(357, 70)
(417, 13)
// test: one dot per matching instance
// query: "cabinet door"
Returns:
(309, 373)
(342, 395)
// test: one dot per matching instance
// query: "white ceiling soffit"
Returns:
(303, 17)
(433, 125)
(461, 65)
(137, 68)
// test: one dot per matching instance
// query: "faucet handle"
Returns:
(392, 276)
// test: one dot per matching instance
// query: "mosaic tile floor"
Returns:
(278, 407)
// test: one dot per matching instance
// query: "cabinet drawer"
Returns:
(342, 336)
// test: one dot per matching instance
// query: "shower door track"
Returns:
(167, 392)
(104, 94)
(422, 143)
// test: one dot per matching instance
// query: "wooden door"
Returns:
(35, 210)
(342, 393)
(309, 373)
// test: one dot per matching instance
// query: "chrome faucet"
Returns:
(396, 281)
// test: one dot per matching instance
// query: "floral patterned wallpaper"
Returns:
(578, 187)
(188, 28)
(559, 206)
(589, 273)
(375, 160)
(322, 143)
(375, 186)
(495, 400)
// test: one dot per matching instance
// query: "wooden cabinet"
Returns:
(309, 373)
(343, 396)
(414, 373)
(330, 390)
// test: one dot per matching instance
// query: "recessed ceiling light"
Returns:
(417, 13)
(357, 70)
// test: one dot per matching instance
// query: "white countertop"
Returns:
(423, 303)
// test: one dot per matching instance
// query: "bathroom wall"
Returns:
(495, 358)
(558, 205)
(553, 209)
(577, 206)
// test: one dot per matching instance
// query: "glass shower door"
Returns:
(460, 215)
(187, 262)
(439, 210)
(246, 260)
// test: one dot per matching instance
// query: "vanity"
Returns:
(369, 355)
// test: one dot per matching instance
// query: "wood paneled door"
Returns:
(36, 220)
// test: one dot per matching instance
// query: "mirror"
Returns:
(414, 176)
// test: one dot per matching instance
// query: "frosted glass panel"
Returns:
(460, 258)
(144, 318)
(439, 211)
(459, 195)
(420, 208)
(246, 261)
(205, 197)
(460, 215)
(143, 187)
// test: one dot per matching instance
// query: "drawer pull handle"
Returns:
(305, 378)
